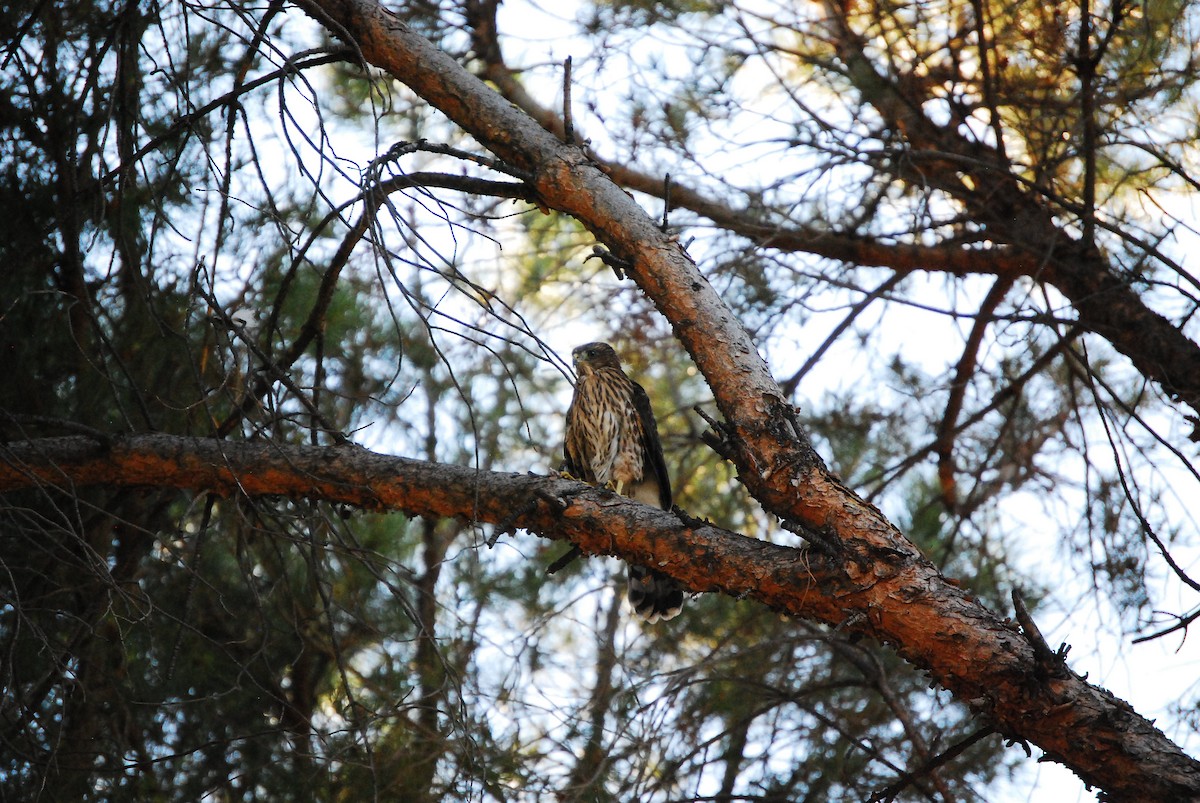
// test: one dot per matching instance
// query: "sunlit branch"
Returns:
(963, 373)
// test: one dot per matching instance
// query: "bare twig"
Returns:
(1047, 658)
(564, 560)
(965, 369)
(270, 367)
(717, 436)
(568, 123)
(1182, 623)
(666, 202)
(618, 265)
(890, 793)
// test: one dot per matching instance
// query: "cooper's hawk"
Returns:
(612, 440)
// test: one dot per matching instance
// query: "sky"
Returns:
(1151, 676)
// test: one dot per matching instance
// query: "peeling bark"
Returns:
(881, 587)
(1028, 239)
(871, 581)
(879, 583)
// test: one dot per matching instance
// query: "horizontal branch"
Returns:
(957, 260)
(984, 660)
(790, 236)
(882, 585)
(701, 556)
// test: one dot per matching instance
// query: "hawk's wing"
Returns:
(575, 447)
(652, 453)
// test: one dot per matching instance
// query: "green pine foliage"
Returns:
(162, 646)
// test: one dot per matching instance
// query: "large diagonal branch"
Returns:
(1038, 247)
(997, 670)
(748, 222)
(883, 586)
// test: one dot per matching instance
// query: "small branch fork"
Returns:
(619, 266)
(1052, 661)
(717, 436)
(890, 792)
(1182, 624)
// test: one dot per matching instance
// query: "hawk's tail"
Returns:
(653, 595)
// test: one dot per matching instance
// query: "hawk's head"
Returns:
(592, 356)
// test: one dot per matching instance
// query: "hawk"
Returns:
(612, 441)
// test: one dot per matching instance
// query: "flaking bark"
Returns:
(882, 584)
(881, 588)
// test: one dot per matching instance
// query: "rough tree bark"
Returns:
(876, 581)
(1010, 679)
(1028, 237)
(866, 577)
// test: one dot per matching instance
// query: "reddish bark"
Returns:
(872, 581)
(880, 586)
